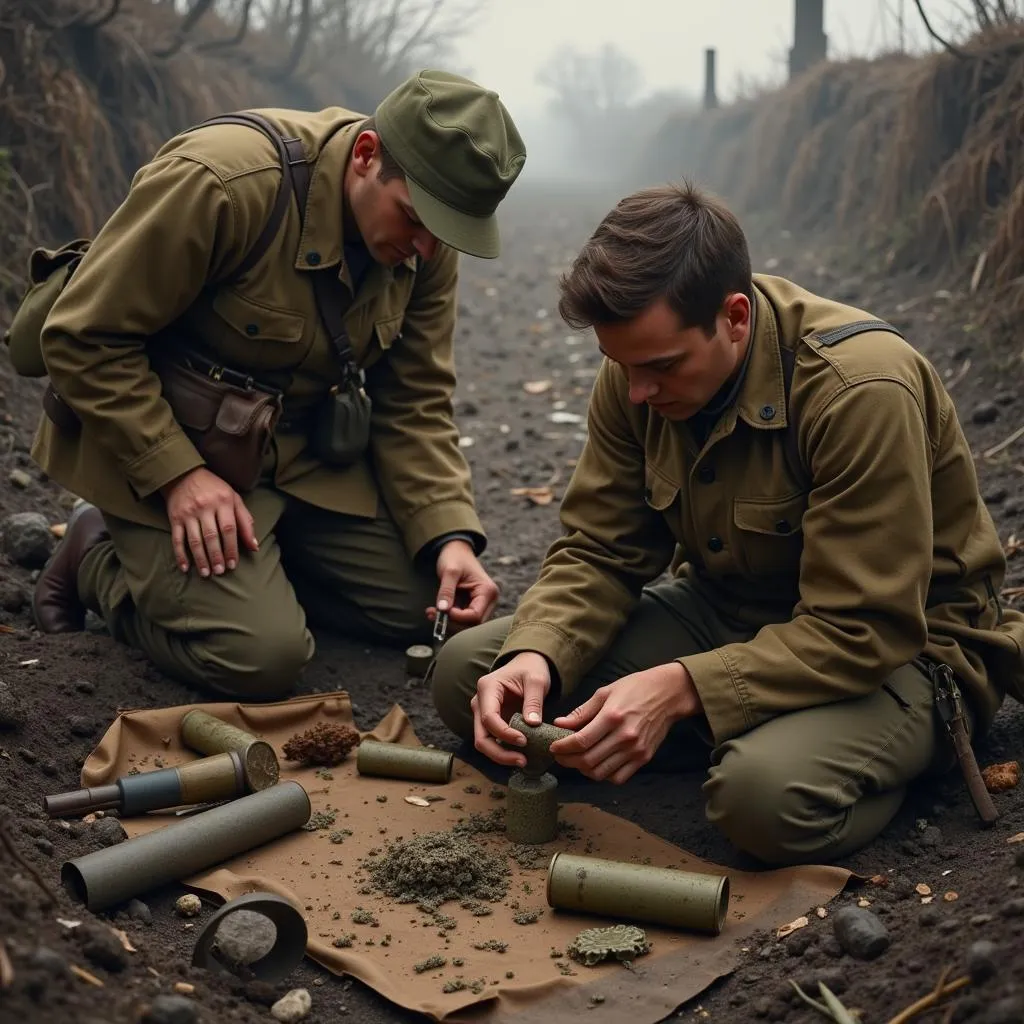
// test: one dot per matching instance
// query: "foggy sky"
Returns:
(511, 39)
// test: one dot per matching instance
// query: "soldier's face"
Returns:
(382, 210)
(677, 370)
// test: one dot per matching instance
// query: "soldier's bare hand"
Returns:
(522, 683)
(619, 729)
(466, 592)
(208, 516)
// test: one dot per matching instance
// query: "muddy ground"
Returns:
(71, 688)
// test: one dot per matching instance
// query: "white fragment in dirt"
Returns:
(1018, 838)
(573, 339)
(788, 929)
(503, 428)
(863, 902)
(68, 924)
(466, 442)
(292, 1006)
(490, 292)
(542, 314)
(124, 940)
(417, 801)
(927, 899)
(538, 495)
(565, 417)
(560, 404)
(537, 387)
(948, 871)
(31, 661)
(188, 905)
(822, 912)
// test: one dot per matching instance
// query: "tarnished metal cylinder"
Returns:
(209, 735)
(538, 743)
(677, 899)
(531, 808)
(397, 761)
(117, 873)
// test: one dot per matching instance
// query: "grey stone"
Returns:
(1006, 1011)
(85, 686)
(13, 597)
(985, 412)
(139, 911)
(860, 933)
(292, 1006)
(107, 831)
(931, 837)
(929, 917)
(995, 496)
(101, 946)
(171, 1010)
(44, 959)
(12, 712)
(20, 478)
(1013, 908)
(981, 960)
(27, 540)
(245, 936)
(81, 726)
(1005, 397)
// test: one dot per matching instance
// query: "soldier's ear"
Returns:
(364, 152)
(737, 312)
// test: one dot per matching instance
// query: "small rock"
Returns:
(107, 831)
(1006, 1011)
(139, 911)
(44, 846)
(985, 412)
(188, 905)
(20, 478)
(85, 686)
(245, 936)
(949, 924)
(929, 917)
(12, 712)
(1004, 397)
(830, 947)
(292, 1006)
(901, 887)
(171, 1010)
(13, 598)
(27, 540)
(260, 992)
(798, 943)
(931, 837)
(80, 726)
(44, 959)
(101, 946)
(28, 756)
(996, 496)
(981, 919)
(1013, 908)
(860, 933)
(981, 960)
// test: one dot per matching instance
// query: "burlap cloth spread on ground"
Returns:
(523, 984)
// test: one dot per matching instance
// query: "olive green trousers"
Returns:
(245, 633)
(807, 786)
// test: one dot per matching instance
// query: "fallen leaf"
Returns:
(922, 889)
(85, 975)
(417, 800)
(822, 912)
(538, 495)
(68, 924)
(950, 897)
(184, 988)
(59, 529)
(1018, 838)
(537, 387)
(123, 936)
(7, 629)
(879, 879)
(788, 929)
(863, 902)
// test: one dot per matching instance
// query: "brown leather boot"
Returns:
(56, 606)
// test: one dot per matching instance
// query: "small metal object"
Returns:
(210, 735)
(538, 743)
(183, 848)
(205, 780)
(418, 659)
(531, 808)
(677, 899)
(440, 627)
(398, 761)
(282, 958)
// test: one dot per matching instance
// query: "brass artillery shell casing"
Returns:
(531, 808)
(209, 735)
(538, 743)
(418, 659)
(397, 761)
(677, 899)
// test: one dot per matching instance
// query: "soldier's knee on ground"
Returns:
(763, 807)
(404, 619)
(261, 666)
(453, 678)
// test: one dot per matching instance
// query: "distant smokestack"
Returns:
(810, 44)
(710, 94)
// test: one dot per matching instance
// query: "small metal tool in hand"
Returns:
(440, 626)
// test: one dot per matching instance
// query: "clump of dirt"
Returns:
(594, 945)
(326, 743)
(439, 866)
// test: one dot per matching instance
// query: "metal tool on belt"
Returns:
(949, 703)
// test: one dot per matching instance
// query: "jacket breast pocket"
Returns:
(768, 534)
(388, 330)
(662, 495)
(258, 322)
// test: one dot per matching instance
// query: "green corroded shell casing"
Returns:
(398, 761)
(418, 659)
(209, 735)
(617, 889)
(531, 808)
(538, 742)
(177, 851)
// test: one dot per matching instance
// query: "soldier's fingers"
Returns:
(211, 538)
(602, 765)
(490, 747)
(534, 692)
(194, 532)
(178, 544)
(446, 591)
(228, 528)
(246, 525)
(490, 692)
(589, 725)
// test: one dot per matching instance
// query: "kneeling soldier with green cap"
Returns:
(832, 610)
(251, 380)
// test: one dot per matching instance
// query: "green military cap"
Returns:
(460, 151)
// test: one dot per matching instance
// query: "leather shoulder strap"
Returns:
(831, 337)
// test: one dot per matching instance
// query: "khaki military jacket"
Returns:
(884, 552)
(190, 217)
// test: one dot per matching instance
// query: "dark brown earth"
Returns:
(71, 688)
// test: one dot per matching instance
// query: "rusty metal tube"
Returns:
(186, 847)
(677, 899)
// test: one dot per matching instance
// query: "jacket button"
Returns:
(782, 526)
(313, 258)
(251, 329)
(767, 412)
(715, 544)
(706, 474)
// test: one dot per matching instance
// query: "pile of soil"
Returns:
(64, 691)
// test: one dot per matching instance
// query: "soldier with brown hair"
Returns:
(834, 571)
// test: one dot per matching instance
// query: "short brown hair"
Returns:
(671, 241)
(389, 166)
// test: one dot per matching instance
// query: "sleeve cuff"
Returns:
(173, 455)
(564, 656)
(436, 521)
(722, 693)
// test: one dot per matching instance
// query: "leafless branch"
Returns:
(243, 27)
(302, 35)
(189, 22)
(955, 50)
(108, 15)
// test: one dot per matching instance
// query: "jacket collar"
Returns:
(762, 398)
